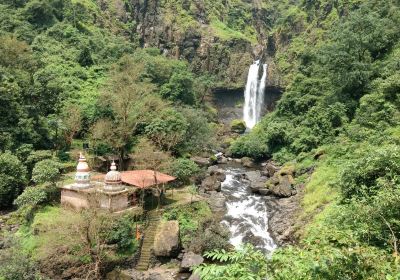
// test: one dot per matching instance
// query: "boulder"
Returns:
(270, 169)
(166, 241)
(238, 126)
(222, 160)
(211, 183)
(219, 174)
(247, 162)
(201, 161)
(216, 201)
(194, 276)
(284, 187)
(190, 260)
(212, 168)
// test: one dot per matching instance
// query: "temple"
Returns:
(115, 191)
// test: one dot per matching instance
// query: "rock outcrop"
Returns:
(212, 182)
(190, 260)
(166, 241)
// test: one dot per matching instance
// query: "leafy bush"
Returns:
(189, 217)
(375, 169)
(184, 169)
(16, 265)
(179, 88)
(122, 233)
(12, 178)
(245, 263)
(46, 171)
(31, 196)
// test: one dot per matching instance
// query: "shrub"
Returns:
(184, 169)
(31, 196)
(374, 170)
(122, 233)
(189, 217)
(14, 264)
(46, 171)
(12, 178)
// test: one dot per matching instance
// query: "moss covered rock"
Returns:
(238, 126)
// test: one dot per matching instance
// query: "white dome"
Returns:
(113, 176)
(112, 180)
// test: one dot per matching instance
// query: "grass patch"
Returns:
(222, 31)
(50, 229)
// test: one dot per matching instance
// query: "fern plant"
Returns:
(245, 263)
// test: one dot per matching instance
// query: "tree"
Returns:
(71, 117)
(167, 131)
(147, 156)
(46, 171)
(126, 93)
(12, 179)
(179, 88)
(184, 169)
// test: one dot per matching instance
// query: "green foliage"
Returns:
(179, 88)
(31, 196)
(12, 178)
(375, 169)
(168, 129)
(189, 217)
(16, 264)
(183, 169)
(244, 263)
(122, 233)
(46, 171)
(238, 126)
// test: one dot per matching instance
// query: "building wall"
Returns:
(74, 198)
(119, 202)
(79, 199)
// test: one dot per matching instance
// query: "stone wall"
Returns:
(74, 198)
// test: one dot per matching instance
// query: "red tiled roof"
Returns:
(141, 178)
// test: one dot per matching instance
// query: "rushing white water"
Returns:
(254, 94)
(246, 215)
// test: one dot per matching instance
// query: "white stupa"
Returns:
(82, 176)
(112, 180)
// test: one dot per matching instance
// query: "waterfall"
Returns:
(254, 95)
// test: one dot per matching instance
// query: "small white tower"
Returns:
(112, 180)
(82, 176)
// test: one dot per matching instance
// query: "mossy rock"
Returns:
(238, 126)
(287, 170)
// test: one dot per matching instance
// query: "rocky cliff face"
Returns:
(219, 38)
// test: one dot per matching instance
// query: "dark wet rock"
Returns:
(190, 260)
(211, 183)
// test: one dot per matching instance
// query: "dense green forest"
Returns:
(134, 79)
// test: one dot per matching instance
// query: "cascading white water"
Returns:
(246, 215)
(254, 95)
